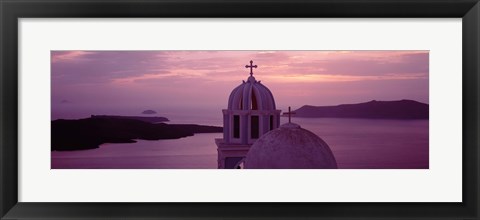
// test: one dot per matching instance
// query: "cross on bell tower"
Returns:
(251, 67)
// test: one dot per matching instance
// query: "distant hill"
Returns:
(402, 109)
(89, 133)
(140, 118)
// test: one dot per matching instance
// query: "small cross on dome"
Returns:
(290, 113)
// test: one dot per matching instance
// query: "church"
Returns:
(254, 139)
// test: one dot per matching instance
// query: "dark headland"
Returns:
(140, 118)
(401, 109)
(90, 133)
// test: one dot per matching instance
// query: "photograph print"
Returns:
(220, 109)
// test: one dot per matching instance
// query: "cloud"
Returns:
(414, 63)
(80, 67)
(406, 64)
(132, 66)
(68, 56)
(158, 76)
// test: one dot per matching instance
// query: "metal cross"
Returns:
(290, 113)
(251, 67)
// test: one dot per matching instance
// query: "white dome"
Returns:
(251, 95)
(290, 147)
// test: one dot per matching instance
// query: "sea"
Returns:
(355, 143)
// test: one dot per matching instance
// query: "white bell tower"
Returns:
(251, 113)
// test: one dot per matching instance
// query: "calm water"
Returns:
(356, 144)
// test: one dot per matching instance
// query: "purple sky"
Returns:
(204, 79)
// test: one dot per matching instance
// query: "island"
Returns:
(401, 109)
(149, 112)
(90, 133)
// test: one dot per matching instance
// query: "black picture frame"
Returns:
(12, 10)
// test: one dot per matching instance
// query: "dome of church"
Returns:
(251, 95)
(290, 147)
